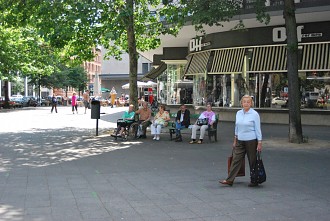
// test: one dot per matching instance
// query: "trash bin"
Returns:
(96, 108)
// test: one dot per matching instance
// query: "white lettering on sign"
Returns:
(196, 44)
(279, 34)
(312, 35)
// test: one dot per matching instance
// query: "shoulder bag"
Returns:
(258, 173)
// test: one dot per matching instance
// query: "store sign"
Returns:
(279, 34)
(196, 44)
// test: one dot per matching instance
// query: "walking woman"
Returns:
(247, 139)
(74, 103)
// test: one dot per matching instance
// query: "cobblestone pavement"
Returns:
(54, 168)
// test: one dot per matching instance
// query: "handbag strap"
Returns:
(258, 155)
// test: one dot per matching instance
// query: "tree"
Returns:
(22, 54)
(121, 26)
(295, 128)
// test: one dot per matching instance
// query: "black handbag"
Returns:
(202, 121)
(258, 173)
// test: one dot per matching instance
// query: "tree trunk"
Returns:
(295, 128)
(133, 55)
(7, 106)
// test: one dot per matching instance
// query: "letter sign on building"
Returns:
(196, 44)
(279, 34)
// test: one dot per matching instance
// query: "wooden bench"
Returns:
(211, 131)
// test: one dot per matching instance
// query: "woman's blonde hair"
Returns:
(162, 106)
(247, 96)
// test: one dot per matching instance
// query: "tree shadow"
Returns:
(44, 147)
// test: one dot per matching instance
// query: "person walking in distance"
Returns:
(54, 104)
(86, 100)
(247, 139)
(74, 103)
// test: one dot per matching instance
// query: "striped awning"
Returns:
(154, 72)
(268, 59)
(197, 63)
(226, 61)
(316, 57)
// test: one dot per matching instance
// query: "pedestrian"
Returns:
(126, 121)
(144, 118)
(54, 103)
(86, 100)
(247, 139)
(182, 120)
(160, 120)
(204, 121)
(74, 103)
(113, 95)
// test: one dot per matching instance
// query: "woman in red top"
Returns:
(74, 103)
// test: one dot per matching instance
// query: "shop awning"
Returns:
(197, 63)
(103, 90)
(268, 59)
(227, 61)
(154, 72)
(316, 57)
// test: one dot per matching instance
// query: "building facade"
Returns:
(223, 65)
(115, 73)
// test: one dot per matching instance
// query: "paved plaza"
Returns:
(54, 168)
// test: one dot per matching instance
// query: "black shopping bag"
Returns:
(258, 173)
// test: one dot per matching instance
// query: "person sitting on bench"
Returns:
(126, 121)
(182, 120)
(206, 119)
(160, 120)
(144, 118)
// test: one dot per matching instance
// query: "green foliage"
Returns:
(215, 12)
(80, 25)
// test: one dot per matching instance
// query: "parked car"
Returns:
(18, 101)
(29, 101)
(279, 101)
(45, 102)
(2, 103)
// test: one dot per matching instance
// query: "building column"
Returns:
(234, 97)
(9, 88)
(26, 88)
(246, 74)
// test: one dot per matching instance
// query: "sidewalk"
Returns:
(53, 168)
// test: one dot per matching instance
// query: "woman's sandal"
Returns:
(225, 182)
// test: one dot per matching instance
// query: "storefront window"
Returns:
(199, 89)
(172, 88)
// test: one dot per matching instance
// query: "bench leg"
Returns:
(171, 134)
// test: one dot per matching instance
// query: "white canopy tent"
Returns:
(141, 84)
